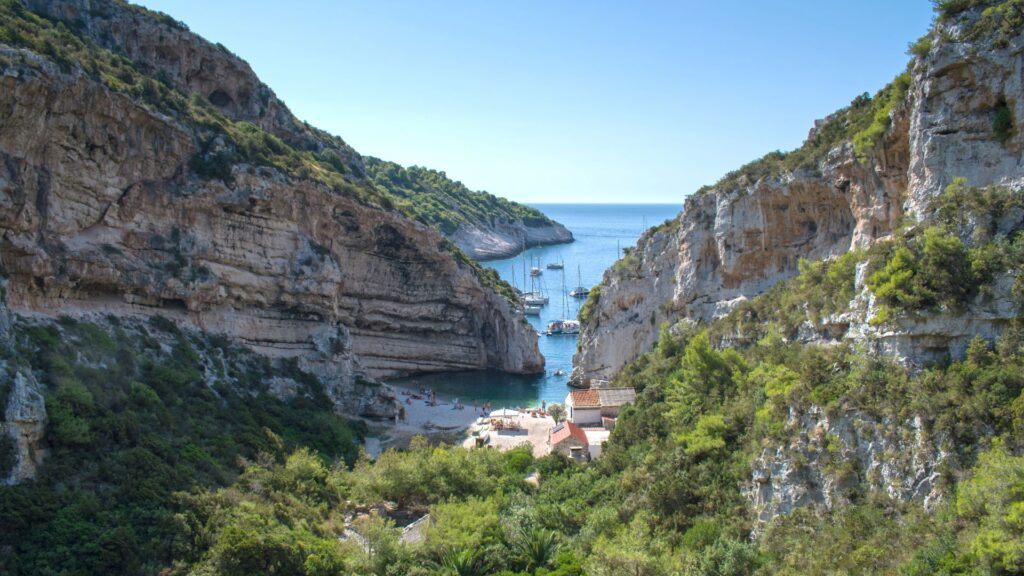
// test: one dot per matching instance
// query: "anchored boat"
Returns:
(579, 291)
(563, 327)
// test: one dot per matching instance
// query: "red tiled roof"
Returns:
(565, 430)
(588, 398)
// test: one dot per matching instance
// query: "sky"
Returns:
(566, 100)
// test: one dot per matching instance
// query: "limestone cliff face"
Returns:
(957, 90)
(736, 240)
(505, 238)
(25, 424)
(100, 212)
(733, 242)
(833, 459)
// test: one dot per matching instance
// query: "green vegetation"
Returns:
(949, 263)
(134, 420)
(894, 94)
(143, 472)
(1001, 20)
(434, 199)
(1002, 122)
(591, 303)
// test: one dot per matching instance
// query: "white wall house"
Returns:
(587, 407)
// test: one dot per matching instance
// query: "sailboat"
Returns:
(556, 265)
(564, 326)
(579, 291)
(534, 297)
(536, 271)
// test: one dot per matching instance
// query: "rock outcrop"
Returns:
(834, 459)
(101, 211)
(25, 424)
(504, 238)
(745, 234)
(734, 241)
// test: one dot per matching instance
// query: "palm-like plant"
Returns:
(536, 548)
(461, 563)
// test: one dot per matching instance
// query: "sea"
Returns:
(601, 232)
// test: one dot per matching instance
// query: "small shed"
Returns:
(570, 440)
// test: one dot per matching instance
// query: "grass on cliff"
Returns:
(434, 199)
(1001, 20)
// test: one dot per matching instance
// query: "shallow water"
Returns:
(601, 231)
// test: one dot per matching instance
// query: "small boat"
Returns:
(555, 265)
(563, 327)
(537, 298)
(559, 372)
(536, 271)
(531, 310)
(534, 301)
(579, 291)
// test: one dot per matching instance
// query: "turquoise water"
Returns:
(600, 231)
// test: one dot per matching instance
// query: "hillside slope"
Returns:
(146, 171)
(860, 172)
(482, 225)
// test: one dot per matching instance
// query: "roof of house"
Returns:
(588, 398)
(602, 397)
(616, 396)
(566, 429)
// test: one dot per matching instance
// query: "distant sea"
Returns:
(601, 232)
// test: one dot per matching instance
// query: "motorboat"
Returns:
(531, 310)
(563, 327)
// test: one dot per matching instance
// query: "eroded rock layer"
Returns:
(100, 211)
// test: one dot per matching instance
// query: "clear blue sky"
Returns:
(566, 101)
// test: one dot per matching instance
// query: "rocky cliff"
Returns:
(942, 154)
(506, 238)
(843, 189)
(182, 187)
(734, 240)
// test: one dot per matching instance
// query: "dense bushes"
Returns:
(130, 424)
(949, 263)
(434, 199)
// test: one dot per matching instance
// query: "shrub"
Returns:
(1002, 122)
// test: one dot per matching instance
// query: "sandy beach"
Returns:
(445, 422)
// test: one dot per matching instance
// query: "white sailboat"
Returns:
(579, 291)
(564, 326)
